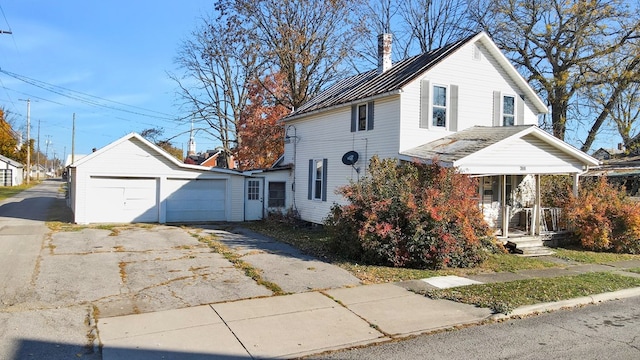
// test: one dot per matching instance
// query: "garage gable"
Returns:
(133, 180)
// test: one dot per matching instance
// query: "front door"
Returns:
(254, 199)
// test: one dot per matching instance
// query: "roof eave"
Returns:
(337, 106)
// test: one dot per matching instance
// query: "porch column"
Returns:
(503, 206)
(535, 219)
(575, 178)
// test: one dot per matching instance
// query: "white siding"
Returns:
(476, 80)
(285, 176)
(134, 159)
(328, 136)
(526, 155)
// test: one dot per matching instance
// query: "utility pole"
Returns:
(28, 138)
(73, 140)
(46, 154)
(38, 154)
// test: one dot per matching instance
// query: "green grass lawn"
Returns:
(9, 191)
(504, 297)
(500, 297)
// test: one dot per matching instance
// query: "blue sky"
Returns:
(114, 54)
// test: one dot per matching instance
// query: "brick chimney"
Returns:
(384, 53)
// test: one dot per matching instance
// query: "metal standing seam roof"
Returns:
(372, 83)
(463, 143)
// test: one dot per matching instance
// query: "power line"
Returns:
(91, 99)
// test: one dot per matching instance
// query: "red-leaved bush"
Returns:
(411, 215)
(604, 218)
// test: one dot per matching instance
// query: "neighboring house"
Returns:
(211, 158)
(621, 170)
(463, 104)
(133, 180)
(11, 172)
(608, 154)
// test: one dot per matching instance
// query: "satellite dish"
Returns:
(350, 158)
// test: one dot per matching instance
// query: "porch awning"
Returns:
(505, 150)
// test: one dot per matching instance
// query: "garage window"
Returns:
(276, 194)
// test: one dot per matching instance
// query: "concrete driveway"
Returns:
(57, 284)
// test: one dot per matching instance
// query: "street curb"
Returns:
(557, 305)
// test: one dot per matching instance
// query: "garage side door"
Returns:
(116, 199)
(196, 200)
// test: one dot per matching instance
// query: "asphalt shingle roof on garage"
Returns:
(372, 83)
(464, 143)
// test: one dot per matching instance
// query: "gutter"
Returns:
(358, 101)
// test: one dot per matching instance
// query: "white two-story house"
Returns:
(463, 104)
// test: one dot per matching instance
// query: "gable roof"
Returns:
(372, 84)
(11, 162)
(451, 150)
(153, 147)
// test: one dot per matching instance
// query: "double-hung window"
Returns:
(317, 179)
(439, 106)
(508, 110)
(362, 117)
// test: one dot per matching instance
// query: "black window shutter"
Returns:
(370, 116)
(324, 179)
(310, 190)
(354, 118)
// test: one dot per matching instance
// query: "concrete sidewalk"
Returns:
(282, 326)
(313, 322)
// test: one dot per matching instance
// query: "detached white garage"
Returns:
(132, 180)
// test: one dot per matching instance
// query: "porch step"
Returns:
(524, 242)
(534, 251)
(528, 246)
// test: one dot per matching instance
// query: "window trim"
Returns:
(314, 181)
(447, 106)
(369, 116)
(359, 119)
(513, 115)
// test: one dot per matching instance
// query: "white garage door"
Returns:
(196, 200)
(118, 199)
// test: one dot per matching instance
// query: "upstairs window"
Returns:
(439, 107)
(508, 110)
(362, 117)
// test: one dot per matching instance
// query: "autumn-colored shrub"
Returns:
(604, 218)
(555, 190)
(410, 215)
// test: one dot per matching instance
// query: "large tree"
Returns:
(260, 128)
(218, 65)
(155, 136)
(9, 140)
(306, 41)
(564, 49)
(434, 23)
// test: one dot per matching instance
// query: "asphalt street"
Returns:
(609, 330)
